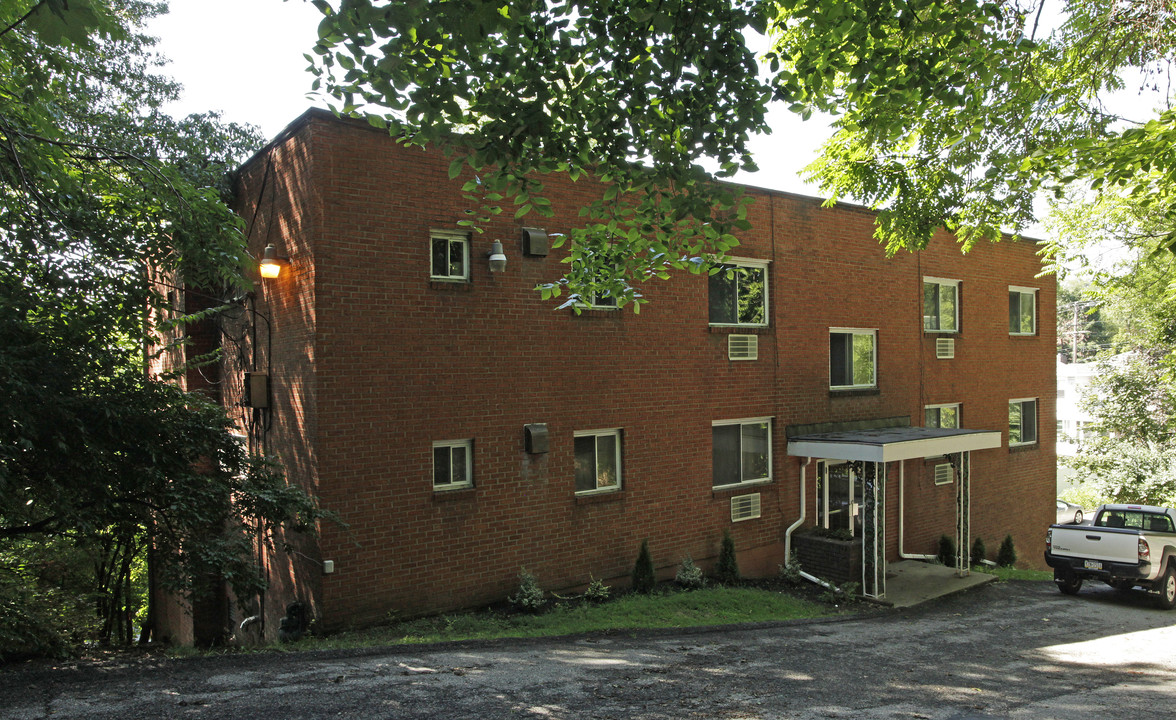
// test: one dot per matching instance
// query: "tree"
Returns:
(954, 114)
(1127, 453)
(101, 195)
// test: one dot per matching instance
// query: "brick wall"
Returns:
(372, 363)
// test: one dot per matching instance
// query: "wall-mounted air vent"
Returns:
(945, 348)
(742, 347)
(745, 507)
(942, 474)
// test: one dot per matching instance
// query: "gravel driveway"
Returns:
(1007, 650)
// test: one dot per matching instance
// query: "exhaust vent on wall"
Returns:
(745, 507)
(742, 347)
(945, 348)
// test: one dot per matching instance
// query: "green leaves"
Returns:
(951, 114)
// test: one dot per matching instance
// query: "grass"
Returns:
(1012, 573)
(665, 609)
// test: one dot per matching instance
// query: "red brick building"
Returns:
(463, 428)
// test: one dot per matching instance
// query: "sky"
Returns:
(245, 59)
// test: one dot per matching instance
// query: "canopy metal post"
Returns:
(874, 530)
(963, 562)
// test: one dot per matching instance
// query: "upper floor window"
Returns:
(941, 305)
(1023, 421)
(598, 460)
(852, 358)
(453, 464)
(1022, 311)
(741, 451)
(739, 294)
(942, 416)
(450, 256)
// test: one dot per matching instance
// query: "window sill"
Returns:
(853, 392)
(451, 285)
(586, 311)
(724, 490)
(1023, 335)
(1022, 447)
(464, 492)
(940, 333)
(594, 497)
(740, 329)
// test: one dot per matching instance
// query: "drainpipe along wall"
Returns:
(799, 521)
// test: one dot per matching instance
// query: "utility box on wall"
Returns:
(535, 439)
(535, 243)
(257, 390)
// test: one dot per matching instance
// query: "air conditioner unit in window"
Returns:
(742, 347)
(945, 348)
(745, 507)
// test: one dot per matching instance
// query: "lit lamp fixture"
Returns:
(271, 264)
(497, 257)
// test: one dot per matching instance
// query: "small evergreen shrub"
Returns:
(1007, 555)
(947, 551)
(727, 568)
(790, 571)
(643, 576)
(597, 591)
(530, 596)
(689, 575)
(979, 552)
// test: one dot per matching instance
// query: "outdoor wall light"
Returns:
(497, 257)
(271, 264)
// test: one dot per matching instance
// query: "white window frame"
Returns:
(466, 444)
(450, 236)
(1032, 294)
(618, 435)
(940, 283)
(747, 263)
(741, 422)
(1036, 423)
(941, 406)
(854, 332)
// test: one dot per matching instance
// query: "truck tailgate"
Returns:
(1096, 543)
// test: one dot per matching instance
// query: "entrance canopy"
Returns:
(891, 444)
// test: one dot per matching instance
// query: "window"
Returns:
(851, 358)
(741, 451)
(739, 294)
(605, 302)
(941, 305)
(942, 416)
(450, 256)
(1023, 422)
(598, 460)
(453, 464)
(1022, 311)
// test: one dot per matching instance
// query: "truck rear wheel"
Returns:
(1067, 581)
(1167, 588)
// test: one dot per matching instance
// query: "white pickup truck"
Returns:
(1126, 546)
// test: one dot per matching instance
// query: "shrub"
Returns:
(689, 575)
(643, 575)
(530, 596)
(727, 568)
(1007, 555)
(979, 552)
(790, 571)
(947, 551)
(597, 591)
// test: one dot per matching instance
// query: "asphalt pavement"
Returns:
(1001, 650)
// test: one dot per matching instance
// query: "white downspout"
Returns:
(901, 496)
(797, 524)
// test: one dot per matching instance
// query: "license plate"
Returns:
(1093, 565)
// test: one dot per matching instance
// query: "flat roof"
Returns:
(892, 444)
